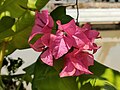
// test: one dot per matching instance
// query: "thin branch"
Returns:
(31, 9)
(77, 13)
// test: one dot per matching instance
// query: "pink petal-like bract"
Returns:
(70, 42)
(63, 41)
(68, 70)
(69, 28)
(38, 45)
(47, 57)
(76, 63)
(62, 44)
(80, 39)
(43, 24)
(91, 35)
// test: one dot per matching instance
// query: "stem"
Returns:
(18, 88)
(2, 53)
(77, 13)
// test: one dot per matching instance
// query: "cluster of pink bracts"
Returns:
(69, 40)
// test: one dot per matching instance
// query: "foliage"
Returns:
(12, 81)
(48, 76)
(16, 21)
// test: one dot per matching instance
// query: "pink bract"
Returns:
(91, 35)
(76, 63)
(69, 28)
(47, 55)
(70, 42)
(43, 24)
(62, 44)
(81, 38)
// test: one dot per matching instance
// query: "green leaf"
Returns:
(103, 78)
(6, 34)
(58, 13)
(22, 31)
(21, 11)
(16, 8)
(98, 82)
(12, 7)
(41, 3)
(1, 88)
(47, 78)
(5, 27)
(30, 69)
(65, 19)
(6, 23)
(27, 78)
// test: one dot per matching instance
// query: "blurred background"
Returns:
(104, 15)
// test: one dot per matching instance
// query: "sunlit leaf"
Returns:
(1, 88)
(12, 6)
(22, 32)
(103, 78)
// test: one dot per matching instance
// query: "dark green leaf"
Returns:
(58, 13)
(47, 78)
(65, 19)
(30, 69)
(6, 23)
(108, 87)
(6, 34)
(27, 78)
(41, 3)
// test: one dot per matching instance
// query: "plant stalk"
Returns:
(2, 53)
(77, 13)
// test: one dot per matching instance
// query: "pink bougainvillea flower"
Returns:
(47, 55)
(84, 38)
(45, 43)
(43, 24)
(77, 35)
(38, 45)
(72, 35)
(62, 44)
(63, 41)
(80, 40)
(76, 63)
(70, 42)
(91, 35)
(69, 28)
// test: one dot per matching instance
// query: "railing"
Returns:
(71, 1)
(96, 15)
